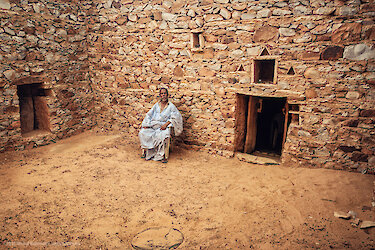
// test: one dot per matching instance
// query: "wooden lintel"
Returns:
(29, 80)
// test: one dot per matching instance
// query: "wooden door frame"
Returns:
(246, 133)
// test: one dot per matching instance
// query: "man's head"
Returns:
(163, 93)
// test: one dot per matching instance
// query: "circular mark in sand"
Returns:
(158, 238)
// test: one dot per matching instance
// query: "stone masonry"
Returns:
(103, 61)
(44, 43)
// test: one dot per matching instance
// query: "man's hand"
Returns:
(164, 127)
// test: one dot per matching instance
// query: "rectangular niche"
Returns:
(34, 114)
(264, 70)
(197, 39)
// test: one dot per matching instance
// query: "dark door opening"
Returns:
(34, 113)
(260, 124)
(270, 125)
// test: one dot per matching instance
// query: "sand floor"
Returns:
(93, 191)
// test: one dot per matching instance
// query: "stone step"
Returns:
(256, 159)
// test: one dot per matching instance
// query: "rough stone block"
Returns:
(169, 17)
(309, 55)
(213, 17)
(264, 13)
(310, 93)
(332, 53)
(325, 11)
(302, 10)
(248, 16)
(370, 33)
(237, 53)
(225, 13)
(281, 12)
(312, 73)
(347, 11)
(206, 72)
(359, 156)
(352, 95)
(287, 32)
(265, 34)
(121, 20)
(367, 113)
(347, 32)
(4, 4)
(253, 51)
(359, 52)
(239, 6)
(305, 38)
(178, 71)
(10, 74)
(157, 16)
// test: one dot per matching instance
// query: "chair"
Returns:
(169, 144)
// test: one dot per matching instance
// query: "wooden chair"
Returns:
(168, 147)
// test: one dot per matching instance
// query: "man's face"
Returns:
(163, 95)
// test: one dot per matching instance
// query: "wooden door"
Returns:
(26, 108)
(240, 122)
(251, 129)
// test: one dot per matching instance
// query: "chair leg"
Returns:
(166, 149)
(171, 140)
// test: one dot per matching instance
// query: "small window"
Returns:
(294, 107)
(197, 40)
(294, 113)
(264, 71)
(34, 114)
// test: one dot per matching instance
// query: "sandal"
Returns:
(164, 160)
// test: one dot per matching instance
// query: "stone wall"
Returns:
(44, 42)
(325, 64)
(204, 52)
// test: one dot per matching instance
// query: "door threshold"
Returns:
(259, 158)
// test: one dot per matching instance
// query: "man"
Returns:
(156, 128)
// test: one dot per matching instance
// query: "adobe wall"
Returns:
(127, 49)
(143, 44)
(44, 42)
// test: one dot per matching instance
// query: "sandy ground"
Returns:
(94, 191)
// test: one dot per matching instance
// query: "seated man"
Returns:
(156, 127)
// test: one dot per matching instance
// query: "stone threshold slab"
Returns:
(256, 159)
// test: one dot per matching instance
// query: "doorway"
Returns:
(34, 113)
(260, 124)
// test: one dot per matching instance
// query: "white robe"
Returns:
(153, 139)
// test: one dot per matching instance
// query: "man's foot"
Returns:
(164, 160)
